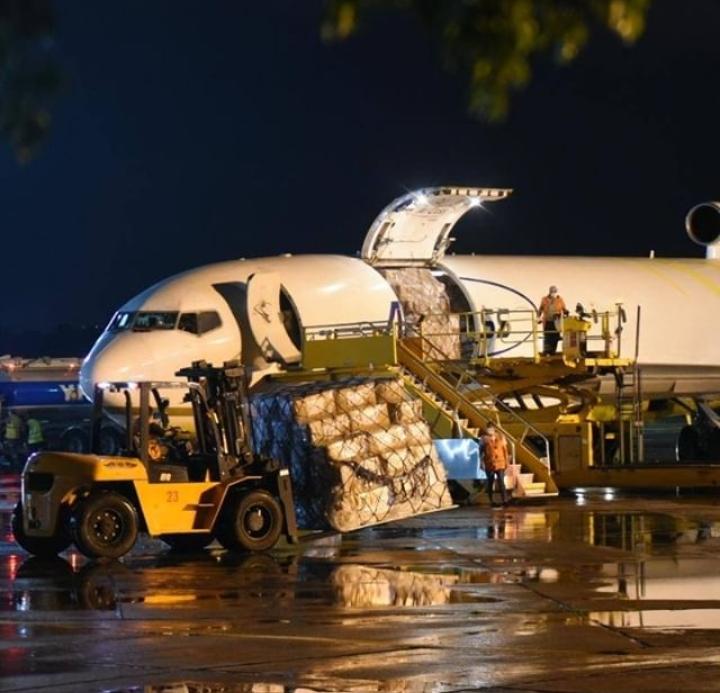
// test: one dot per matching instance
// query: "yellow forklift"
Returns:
(185, 490)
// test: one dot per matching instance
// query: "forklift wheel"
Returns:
(105, 525)
(251, 522)
(44, 547)
(186, 543)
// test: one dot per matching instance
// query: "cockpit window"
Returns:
(144, 321)
(161, 320)
(121, 321)
(199, 323)
(188, 323)
(208, 320)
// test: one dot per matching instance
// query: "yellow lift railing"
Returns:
(503, 333)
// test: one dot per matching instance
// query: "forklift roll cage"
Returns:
(218, 428)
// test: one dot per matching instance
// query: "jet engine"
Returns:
(703, 226)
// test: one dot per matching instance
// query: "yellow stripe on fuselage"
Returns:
(702, 279)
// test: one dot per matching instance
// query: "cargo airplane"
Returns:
(258, 310)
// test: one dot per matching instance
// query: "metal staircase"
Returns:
(629, 400)
(451, 413)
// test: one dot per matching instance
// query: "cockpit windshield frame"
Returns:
(144, 320)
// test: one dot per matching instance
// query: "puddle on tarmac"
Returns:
(662, 579)
(55, 585)
(360, 686)
(665, 619)
(401, 569)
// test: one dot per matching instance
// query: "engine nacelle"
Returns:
(702, 224)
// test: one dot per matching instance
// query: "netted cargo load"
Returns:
(361, 586)
(359, 452)
(426, 308)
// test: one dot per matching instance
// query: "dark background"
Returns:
(196, 132)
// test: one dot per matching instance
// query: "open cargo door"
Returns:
(415, 229)
(266, 318)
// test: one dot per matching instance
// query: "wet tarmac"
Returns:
(596, 593)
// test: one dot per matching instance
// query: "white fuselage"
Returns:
(256, 310)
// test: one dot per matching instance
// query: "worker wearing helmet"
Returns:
(35, 436)
(495, 461)
(552, 307)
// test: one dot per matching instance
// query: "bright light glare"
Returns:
(475, 202)
(421, 198)
(104, 386)
(132, 386)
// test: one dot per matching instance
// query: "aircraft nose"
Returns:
(107, 362)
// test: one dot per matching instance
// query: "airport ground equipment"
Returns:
(353, 350)
(185, 493)
(587, 402)
(48, 389)
(573, 419)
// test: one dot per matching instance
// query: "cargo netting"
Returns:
(426, 310)
(363, 586)
(359, 452)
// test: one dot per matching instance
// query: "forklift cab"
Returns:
(167, 453)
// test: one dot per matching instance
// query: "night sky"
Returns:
(197, 132)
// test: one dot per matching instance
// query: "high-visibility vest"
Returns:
(35, 432)
(13, 427)
(551, 307)
(495, 453)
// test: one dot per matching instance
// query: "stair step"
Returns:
(526, 478)
(536, 495)
(534, 488)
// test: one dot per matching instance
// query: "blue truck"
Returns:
(48, 390)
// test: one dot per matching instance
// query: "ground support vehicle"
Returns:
(48, 389)
(185, 492)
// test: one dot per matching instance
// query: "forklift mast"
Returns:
(228, 411)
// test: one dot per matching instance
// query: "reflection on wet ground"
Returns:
(609, 593)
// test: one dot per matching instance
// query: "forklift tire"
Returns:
(251, 521)
(97, 585)
(104, 525)
(187, 543)
(43, 547)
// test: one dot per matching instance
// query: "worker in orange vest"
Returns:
(495, 461)
(551, 308)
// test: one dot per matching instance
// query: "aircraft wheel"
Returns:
(111, 441)
(687, 448)
(251, 522)
(187, 543)
(44, 547)
(75, 440)
(714, 446)
(105, 525)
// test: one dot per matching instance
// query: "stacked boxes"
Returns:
(359, 452)
(361, 586)
(426, 308)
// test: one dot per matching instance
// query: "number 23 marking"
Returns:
(171, 497)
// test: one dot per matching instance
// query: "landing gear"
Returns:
(688, 446)
(698, 444)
